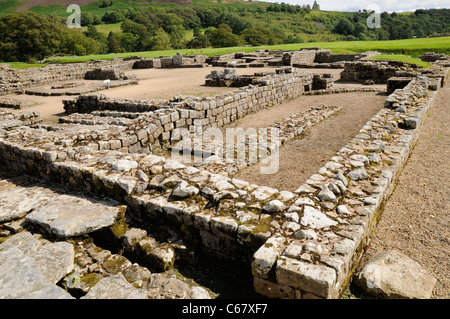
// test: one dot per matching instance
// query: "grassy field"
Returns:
(397, 57)
(411, 47)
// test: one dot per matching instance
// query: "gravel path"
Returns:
(416, 218)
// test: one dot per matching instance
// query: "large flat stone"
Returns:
(55, 260)
(22, 278)
(17, 201)
(68, 216)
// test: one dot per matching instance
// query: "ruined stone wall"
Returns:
(189, 112)
(16, 81)
(293, 57)
(302, 244)
(323, 56)
(339, 207)
(378, 72)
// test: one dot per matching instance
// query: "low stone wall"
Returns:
(378, 72)
(190, 112)
(105, 74)
(395, 83)
(16, 81)
(89, 103)
(301, 245)
(323, 56)
(338, 208)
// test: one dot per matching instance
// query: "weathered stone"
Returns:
(306, 233)
(315, 219)
(266, 256)
(274, 207)
(326, 195)
(358, 174)
(115, 287)
(22, 278)
(55, 260)
(16, 202)
(342, 209)
(317, 279)
(73, 216)
(183, 190)
(264, 192)
(391, 274)
(124, 165)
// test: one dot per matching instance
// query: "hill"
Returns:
(119, 26)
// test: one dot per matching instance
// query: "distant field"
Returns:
(412, 47)
(397, 57)
(106, 28)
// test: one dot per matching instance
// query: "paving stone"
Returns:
(69, 216)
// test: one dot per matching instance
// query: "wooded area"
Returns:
(29, 36)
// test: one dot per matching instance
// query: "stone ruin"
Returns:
(229, 77)
(307, 57)
(117, 212)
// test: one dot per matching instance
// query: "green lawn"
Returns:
(412, 47)
(106, 28)
(23, 65)
(397, 57)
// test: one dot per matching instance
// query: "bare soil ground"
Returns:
(155, 83)
(416, 220)
(302, 157)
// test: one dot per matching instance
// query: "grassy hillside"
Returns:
(413, 47)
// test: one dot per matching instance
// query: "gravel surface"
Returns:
(416, 220)
(300, 158)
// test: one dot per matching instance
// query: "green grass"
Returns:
(106, 28)
(397, 57)
(23, 65)
(412, 47)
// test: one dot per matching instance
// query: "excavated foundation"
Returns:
(158, 211)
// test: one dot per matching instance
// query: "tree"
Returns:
(316, 6)
(27, 35)
(198, 41)
(113, 43)
(161, 40)
(258, 36)
(344, 27)
(223, 36)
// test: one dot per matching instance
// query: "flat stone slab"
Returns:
(17, 201)
(69, 216)
(29, 270)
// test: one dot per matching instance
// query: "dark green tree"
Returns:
(113, 43)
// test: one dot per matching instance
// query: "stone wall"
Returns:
(16, 81)
(378, 72)
(302, 244)
(330, 223)
(190, 112)
(323, 56)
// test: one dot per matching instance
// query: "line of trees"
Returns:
(29, 36)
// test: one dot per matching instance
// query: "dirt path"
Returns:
(416, 220)
(300, 158)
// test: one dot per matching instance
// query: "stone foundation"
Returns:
(302, 244)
